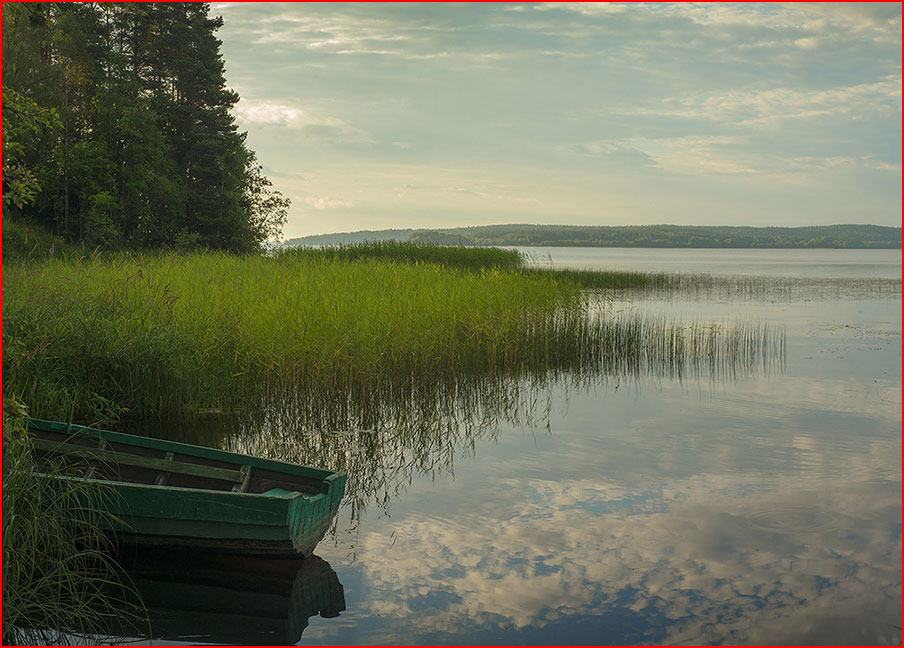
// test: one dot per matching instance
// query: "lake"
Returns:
(761, 506)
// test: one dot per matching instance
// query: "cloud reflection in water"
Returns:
(698, 561)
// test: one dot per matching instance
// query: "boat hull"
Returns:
(277, 521)
(226, 522)
(220, 521)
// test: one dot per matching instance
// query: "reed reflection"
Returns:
(383, 435)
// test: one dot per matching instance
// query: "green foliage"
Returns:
(670, 236)
(23, 120)
(169, 333)
(145, 152)
(267, 209)
(438, 238)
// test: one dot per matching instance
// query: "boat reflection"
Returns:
(228, 599)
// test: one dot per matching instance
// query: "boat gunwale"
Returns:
(311, 472)
(288, 496)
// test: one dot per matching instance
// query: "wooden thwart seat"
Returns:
(163, 465)
(246, 479)
(163, 477)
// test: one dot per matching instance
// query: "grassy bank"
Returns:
(424, 347)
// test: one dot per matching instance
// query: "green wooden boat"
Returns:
(179, 495)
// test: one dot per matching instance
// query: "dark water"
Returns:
(761, 507)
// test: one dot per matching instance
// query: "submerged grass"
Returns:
(606, 280)
(425, 355)
(663, 285)
(381, 435)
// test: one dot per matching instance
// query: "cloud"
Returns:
(314, 28)
(870, 13)
(766, 106)
(318, 126)
(723, 155)
(817, 15)
(268, 113)
(323, 202)
(589, 96)
(585, 8)
(703, 154)
(749, 123)
(809, 43)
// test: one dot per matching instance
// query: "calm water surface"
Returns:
(873, 264)
(760, 509)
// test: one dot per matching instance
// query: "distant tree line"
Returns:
(665, 236)
(722, 236)
(117, 129)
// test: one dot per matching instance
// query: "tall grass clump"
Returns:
(167, 333)
(606, 279)
(93, 338)
(465, 257)
(381, 435)
(58, 579)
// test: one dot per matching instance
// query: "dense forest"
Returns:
(671, 236)
(118, 132)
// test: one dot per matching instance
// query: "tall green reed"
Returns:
(465, 257)
(664, 285)
(166, 334)
(60, 584)
(383, 433)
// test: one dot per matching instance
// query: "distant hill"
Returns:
(657, 236)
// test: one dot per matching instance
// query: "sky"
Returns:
(422, 115)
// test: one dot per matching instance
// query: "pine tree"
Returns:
(148, 153)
